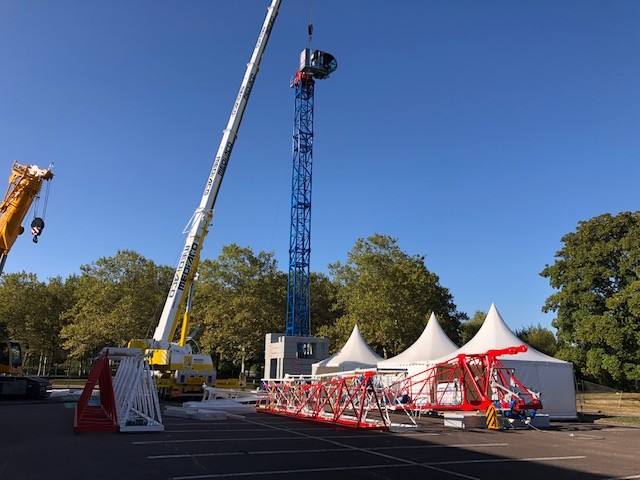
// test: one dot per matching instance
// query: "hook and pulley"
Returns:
(37, 226)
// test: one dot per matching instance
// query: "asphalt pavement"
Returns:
(40, 443)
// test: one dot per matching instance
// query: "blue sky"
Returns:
(477, 133)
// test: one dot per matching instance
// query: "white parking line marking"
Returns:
(226, 439)
(399, 465)
(257, 452)
(284, 472)
(364, 450)
(502, 460)
(260, 439)
(315, 450)
(225, 430)
(196, 430)
(443, 445)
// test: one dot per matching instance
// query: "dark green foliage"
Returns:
(540, 338)
(390, 295)
(471, 326)
(117, 299)
(31, 312)
(323, 304)
(240, 297)
(597, 275)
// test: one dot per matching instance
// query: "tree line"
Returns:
(241, 296)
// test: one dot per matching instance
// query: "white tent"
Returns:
(535, 370)
(433, 343)
(354, 354)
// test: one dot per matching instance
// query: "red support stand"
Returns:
(103, 417)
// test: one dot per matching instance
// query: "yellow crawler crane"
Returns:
(25, 184)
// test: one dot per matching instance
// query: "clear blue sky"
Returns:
(477, 133)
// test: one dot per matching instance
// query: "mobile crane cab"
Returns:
(13, 382)
(10, 357)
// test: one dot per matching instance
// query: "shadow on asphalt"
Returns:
(266, 446)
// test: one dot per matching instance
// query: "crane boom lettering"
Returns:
(188, 257)
(189, 260)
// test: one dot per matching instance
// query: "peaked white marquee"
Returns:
(537, 371)
(432, 343)
(495, 334)
(354, 354)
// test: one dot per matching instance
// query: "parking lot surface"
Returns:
(40, 442)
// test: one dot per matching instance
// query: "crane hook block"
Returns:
(37, 226)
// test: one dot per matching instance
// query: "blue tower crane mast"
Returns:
(313, 65)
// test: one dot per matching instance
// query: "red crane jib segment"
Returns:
(466, 382)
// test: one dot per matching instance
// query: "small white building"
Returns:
(292, 355)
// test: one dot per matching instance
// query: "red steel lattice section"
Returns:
(364, 399)
(466, 382)
(348, 400)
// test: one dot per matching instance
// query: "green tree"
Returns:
(323, 303)
(390, 295)
(32, 313)
(116, 299)
(471, 326)
(597, 275)
(540, 338)
(241, 297)
(20, 303)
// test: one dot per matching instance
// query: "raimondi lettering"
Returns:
(184, 267)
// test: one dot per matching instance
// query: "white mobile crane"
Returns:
(179, 370)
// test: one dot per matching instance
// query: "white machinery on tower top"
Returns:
(178, 369)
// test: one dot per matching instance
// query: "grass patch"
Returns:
(630, 421)
(68, 382)
(615, 404)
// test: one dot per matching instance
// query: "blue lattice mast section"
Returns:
(316, 65)
(298, 290)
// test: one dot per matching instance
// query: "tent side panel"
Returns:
(554, 380)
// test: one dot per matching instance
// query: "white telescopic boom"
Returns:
(186, 267)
